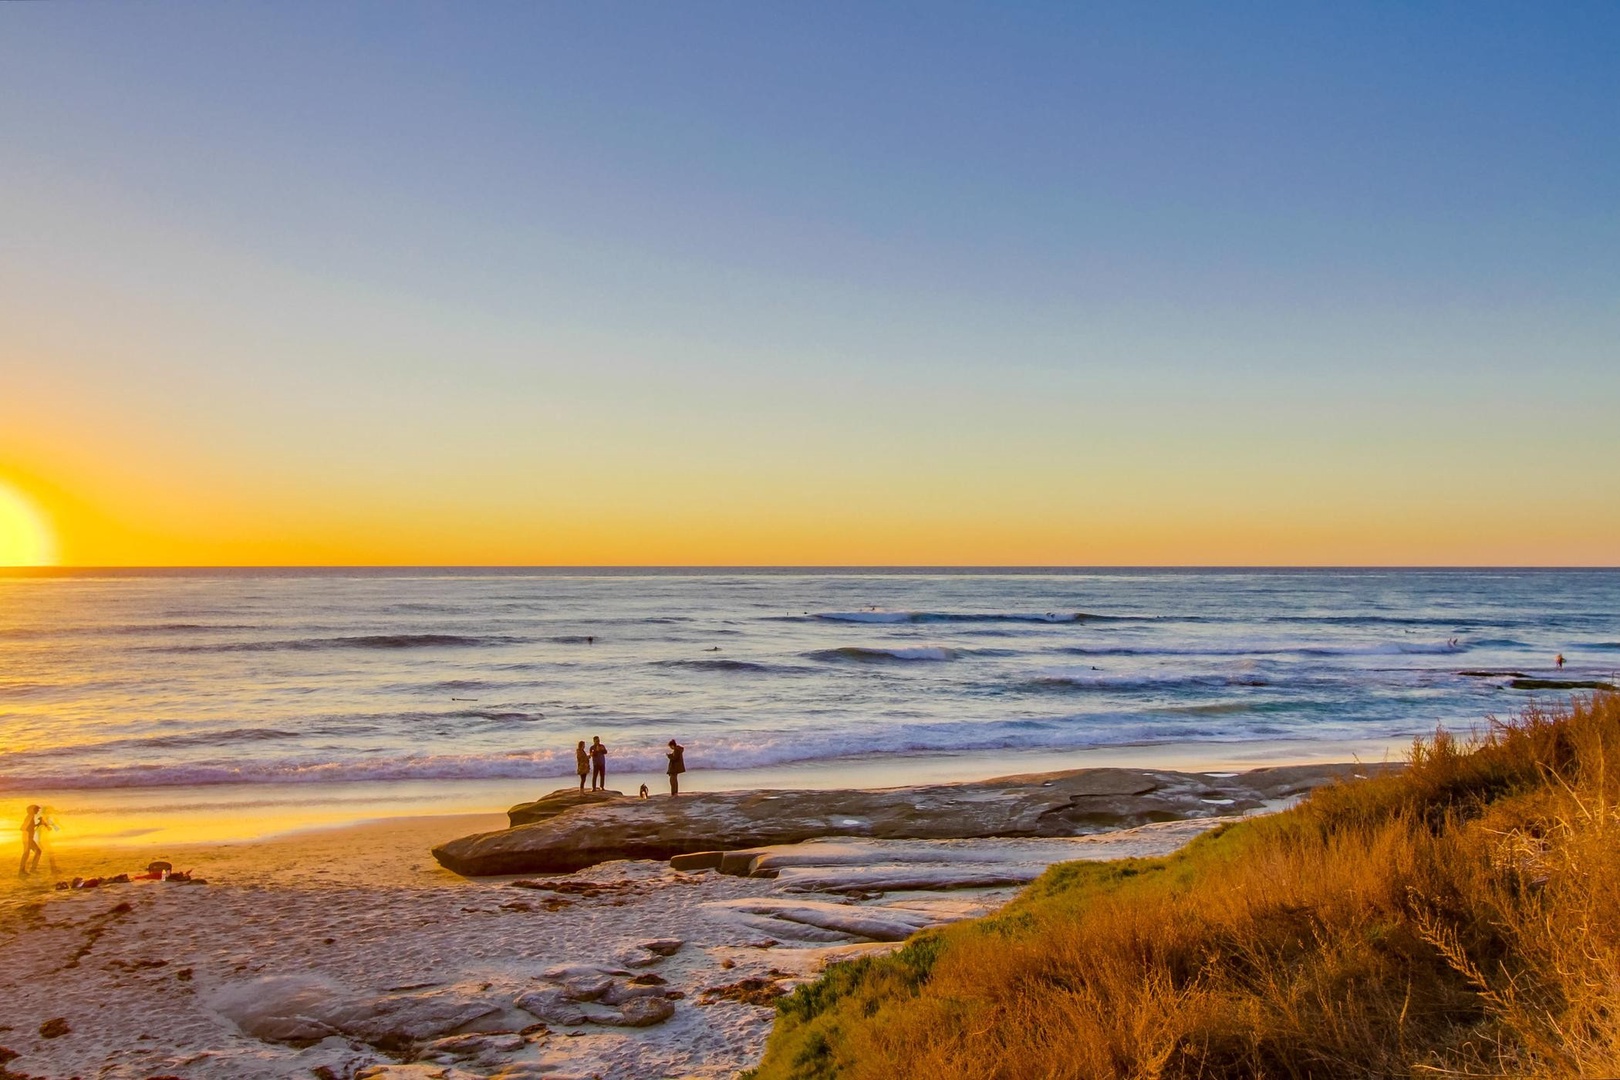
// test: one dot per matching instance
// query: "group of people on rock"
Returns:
(592, 762)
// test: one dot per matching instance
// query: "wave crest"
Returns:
(717, 664)
(875, 616)
(867, 655)
(353, 641)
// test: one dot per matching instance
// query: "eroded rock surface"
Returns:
(818, 920)
(580, 831)
(303, 1009)
(549, 806)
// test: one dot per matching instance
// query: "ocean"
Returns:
(274, 680)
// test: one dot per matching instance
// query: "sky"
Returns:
(838, 284)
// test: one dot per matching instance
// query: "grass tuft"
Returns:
(1456, 918)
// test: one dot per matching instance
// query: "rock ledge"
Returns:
(564, 831)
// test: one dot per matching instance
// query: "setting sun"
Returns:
(25, 538)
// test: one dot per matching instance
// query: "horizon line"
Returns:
(773, 567)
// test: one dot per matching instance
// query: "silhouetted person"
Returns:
(598, 754)
(582, 761)
(42, 837)
(1560, 661)
(30, 841)
(677, 765)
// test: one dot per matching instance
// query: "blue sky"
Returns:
(306, 255)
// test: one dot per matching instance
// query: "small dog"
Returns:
(643, 794)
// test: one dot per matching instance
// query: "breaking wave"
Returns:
(1393, 648)
(353, 641)
(718, 664)
(733, 750)
(864, 655)
(1063, 682)
(960, 617)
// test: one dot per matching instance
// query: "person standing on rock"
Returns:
(598, 755)
(677, 765)
(582, 761)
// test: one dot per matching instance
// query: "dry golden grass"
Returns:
(1460, 917)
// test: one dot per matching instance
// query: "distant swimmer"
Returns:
(712, 648)
(582, 760)
(1560, 661)
(590, 639)
(677, 765)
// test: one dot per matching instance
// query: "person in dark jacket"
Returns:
(582, 761)
(598, 754)
(677, 765)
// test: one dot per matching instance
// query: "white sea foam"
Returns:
(705, 753)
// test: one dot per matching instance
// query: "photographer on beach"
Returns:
(677, 765)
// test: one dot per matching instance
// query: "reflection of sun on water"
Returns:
(25, 539)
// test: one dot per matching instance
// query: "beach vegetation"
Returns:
(1457, 917)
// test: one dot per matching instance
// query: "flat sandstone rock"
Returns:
(565, 833)
(549, 806)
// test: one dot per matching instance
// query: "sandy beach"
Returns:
(349, 952)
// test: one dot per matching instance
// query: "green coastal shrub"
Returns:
(1458, 917)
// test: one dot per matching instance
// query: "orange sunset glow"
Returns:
(706, 514)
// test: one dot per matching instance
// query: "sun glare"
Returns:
(25, 538)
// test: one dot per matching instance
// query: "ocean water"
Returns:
(177, 679)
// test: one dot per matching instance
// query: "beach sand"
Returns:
(349, 952)
(164, 979)
(160, 978)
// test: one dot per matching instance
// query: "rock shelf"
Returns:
(566, 831)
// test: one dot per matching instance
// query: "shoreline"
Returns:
(136, 818)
